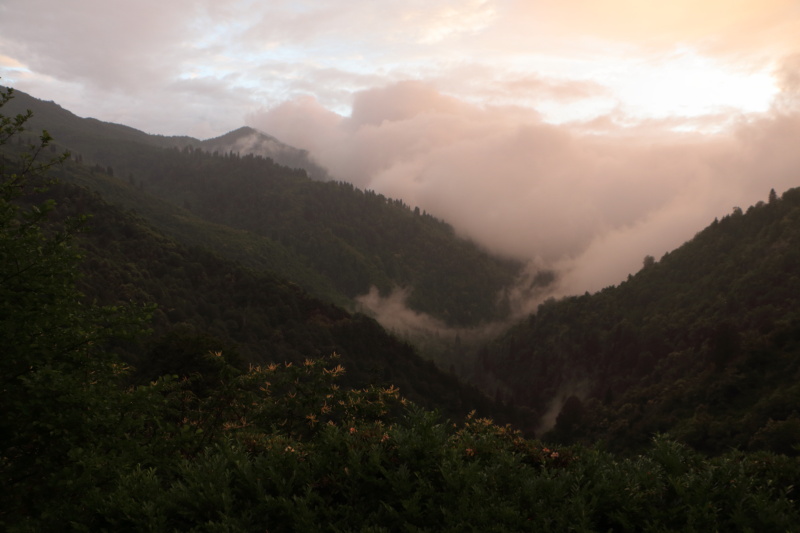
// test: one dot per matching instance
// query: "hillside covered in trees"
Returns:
(86, 446)
(702, 344)
(206, 303)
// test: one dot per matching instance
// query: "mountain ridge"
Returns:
(61, 123)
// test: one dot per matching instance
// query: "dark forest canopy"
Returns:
(702, 344)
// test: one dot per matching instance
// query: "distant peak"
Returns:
(244, 131)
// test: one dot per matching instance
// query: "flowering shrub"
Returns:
(294, 452)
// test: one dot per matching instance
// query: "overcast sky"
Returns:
(577, 134)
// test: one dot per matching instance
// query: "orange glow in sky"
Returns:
(568, 59)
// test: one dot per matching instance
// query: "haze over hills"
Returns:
(585, 200)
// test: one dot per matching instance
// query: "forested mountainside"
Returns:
(101, 142)
(352, 239)
(703, 344)
(205, 303)
(88, 444)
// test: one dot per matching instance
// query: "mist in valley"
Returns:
(586, 201)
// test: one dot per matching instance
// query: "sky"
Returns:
(576, 135)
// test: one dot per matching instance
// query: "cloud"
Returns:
(788, 80)
(10, 63)
(715, 26)
(566, 90)
(451, 18)
(574, 59)
(97, 42)
(589, 206)
(302, 122)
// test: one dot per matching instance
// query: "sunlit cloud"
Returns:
(448, 20)
(649, 59)
(686, 84)
(10, 63)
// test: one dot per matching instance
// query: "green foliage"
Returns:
(56, 385)
(308, 455)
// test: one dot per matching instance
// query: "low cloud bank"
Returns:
(391, 311)
(587, 200)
